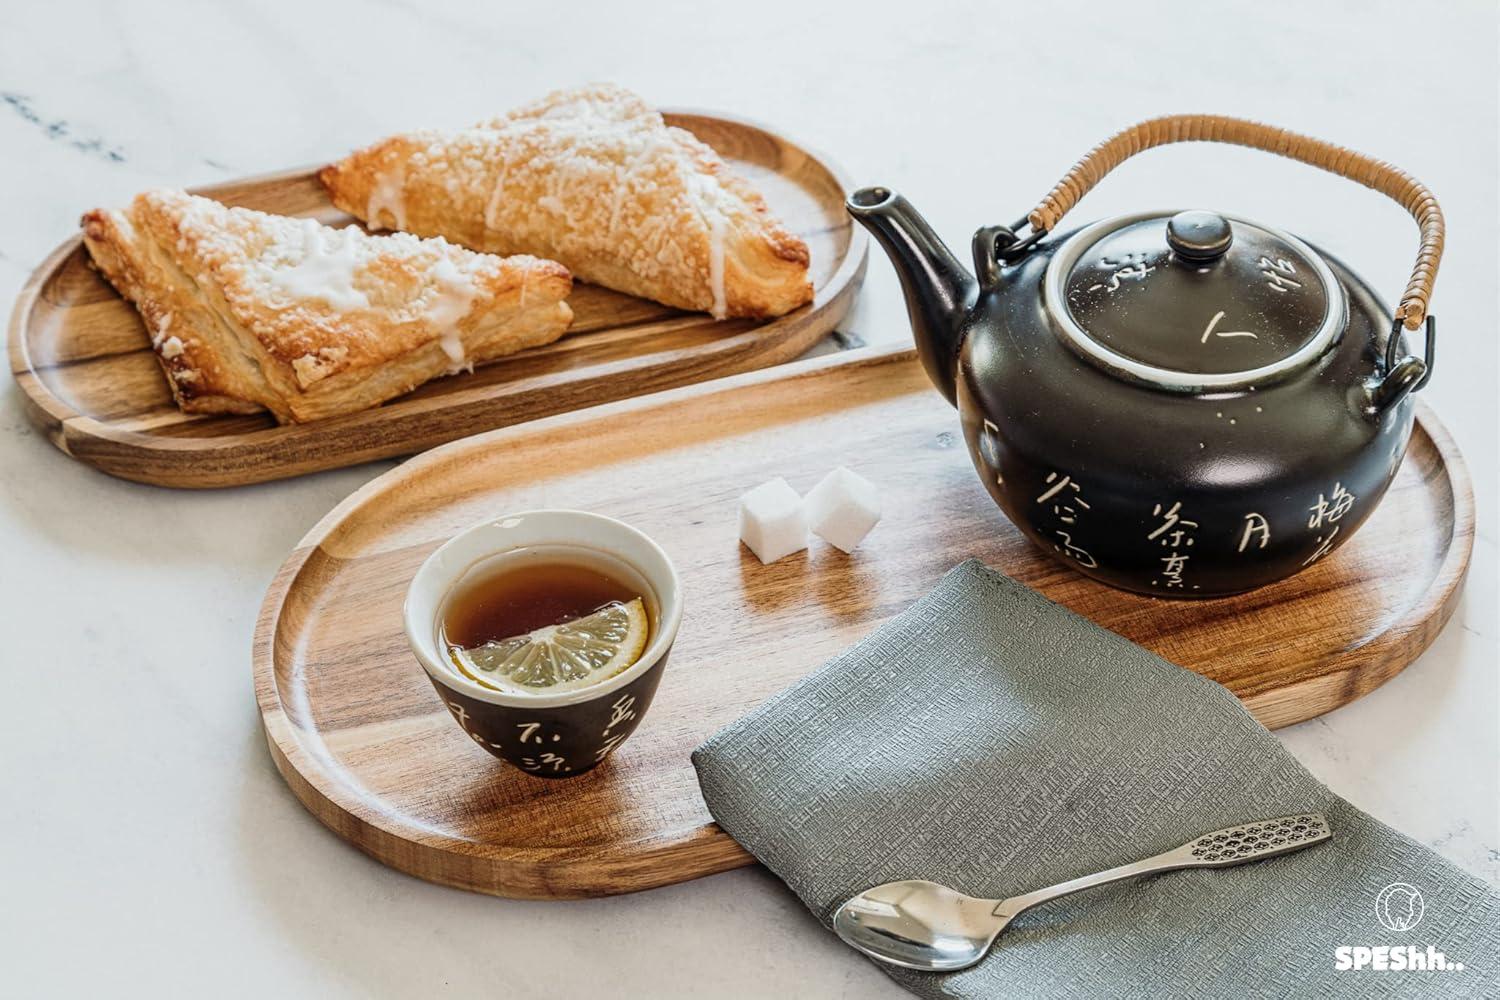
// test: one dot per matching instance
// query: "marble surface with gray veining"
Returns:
(147, 846)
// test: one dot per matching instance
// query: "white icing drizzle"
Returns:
(497, 193)
(162, 326)
(450, 305)
(453, 346)
(388, 195)
(716, 265)
(707, 192)
(170, 348)
(330, 259)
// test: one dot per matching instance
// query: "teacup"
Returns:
(557, 735)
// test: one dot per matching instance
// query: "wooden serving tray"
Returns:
(85, 365)
(364, 742)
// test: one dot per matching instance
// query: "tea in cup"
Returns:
(546, 633)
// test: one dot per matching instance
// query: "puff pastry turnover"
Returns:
(595, 179)
(248, 310)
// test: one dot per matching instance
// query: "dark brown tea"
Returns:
(545, 620)
(516, 600)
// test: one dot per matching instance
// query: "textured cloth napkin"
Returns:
(993, 741)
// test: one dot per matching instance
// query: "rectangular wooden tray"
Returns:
(366, 744)
(84, 362)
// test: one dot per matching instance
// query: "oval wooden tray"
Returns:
(364, 742)
(84, 362)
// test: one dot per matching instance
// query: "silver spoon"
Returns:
(923, 925)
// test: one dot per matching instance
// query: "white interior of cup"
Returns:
(574, 529)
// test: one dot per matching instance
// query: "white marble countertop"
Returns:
(149, 846)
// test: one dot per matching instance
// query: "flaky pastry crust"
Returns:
(248, 310)
(595, 179)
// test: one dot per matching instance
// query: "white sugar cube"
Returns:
(772, 521)
(843, 508)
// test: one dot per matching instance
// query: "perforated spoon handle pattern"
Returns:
(1232, 845)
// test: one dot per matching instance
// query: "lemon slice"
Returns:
(562, 657)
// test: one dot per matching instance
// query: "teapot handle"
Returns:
(1388, 180)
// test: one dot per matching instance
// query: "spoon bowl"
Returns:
(919, 925)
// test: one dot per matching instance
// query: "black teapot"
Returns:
(1183, 404)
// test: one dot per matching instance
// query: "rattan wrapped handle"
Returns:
(1410, 193)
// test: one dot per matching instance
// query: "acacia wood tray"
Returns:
(364, 742)
(84, 362)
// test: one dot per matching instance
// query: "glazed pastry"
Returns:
(249, 311)
(595, 179)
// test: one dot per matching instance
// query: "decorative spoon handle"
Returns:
(1233, 845)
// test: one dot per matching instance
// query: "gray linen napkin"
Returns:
(996, 742)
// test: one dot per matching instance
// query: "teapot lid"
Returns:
(1193, 300)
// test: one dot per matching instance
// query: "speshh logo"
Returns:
(1399, 907)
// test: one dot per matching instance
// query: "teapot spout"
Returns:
(939, 291)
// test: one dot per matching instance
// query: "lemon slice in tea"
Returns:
(562, 657)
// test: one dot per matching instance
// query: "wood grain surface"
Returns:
(91, 382)
(367, 746)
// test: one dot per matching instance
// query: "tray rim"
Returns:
(60, 423)
(711, 850)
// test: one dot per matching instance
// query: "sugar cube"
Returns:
(772, 521)
(843, 507)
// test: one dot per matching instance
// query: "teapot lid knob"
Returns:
(1198, 236)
